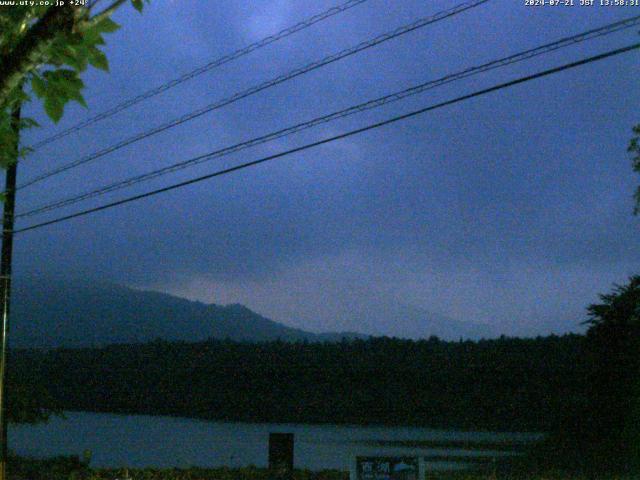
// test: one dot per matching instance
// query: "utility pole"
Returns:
(5, 284)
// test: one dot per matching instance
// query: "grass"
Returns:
(211, 474)
(72, 468)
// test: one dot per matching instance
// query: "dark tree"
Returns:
(613, 342)
(28, 399)
(601, 431)
(634, 149)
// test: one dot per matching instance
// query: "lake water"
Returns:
(141, 440)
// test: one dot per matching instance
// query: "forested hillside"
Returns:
(506, 384)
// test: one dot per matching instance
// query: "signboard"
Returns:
(387, 468)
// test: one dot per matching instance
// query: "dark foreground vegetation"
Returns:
(505, 384)
(71, 468)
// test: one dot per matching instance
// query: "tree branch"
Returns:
(106, 12)
(30, 51)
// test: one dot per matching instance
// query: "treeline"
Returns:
(503, 384)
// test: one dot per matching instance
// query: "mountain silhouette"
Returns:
(48, 313)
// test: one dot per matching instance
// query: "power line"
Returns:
(308, 146)
(423, 22)
(371, 104)
(200, 70)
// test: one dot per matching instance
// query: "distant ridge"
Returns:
(48, 313)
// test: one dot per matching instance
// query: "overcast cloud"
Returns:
(513, 209)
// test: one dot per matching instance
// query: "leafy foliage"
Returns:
(57, 87)
(614, 355)
(73, 468)
(28, 401)
(602, 432)
(138, 4)
(7, 139)
(56, 468)
(52, 64)
(194, 473)
(634, 149)
(506, 384)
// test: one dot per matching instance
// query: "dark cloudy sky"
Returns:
(512, 209)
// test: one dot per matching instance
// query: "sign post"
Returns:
(281, 455)
(387, 468)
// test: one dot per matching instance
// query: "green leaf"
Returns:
(137, 4)
(77, 96)
(74, 38)
(55, 88)
(69, 76)
(98, 59)
(24, 151)
(54, 107)
(75, 57)
(106, 25)
(26, 122)
(93, 37)
(63, 83)
(39, 86)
